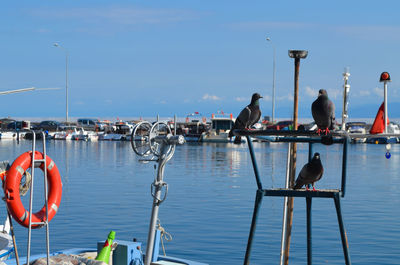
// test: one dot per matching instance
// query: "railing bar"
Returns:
(254, 162)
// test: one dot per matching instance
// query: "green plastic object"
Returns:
(104, 254)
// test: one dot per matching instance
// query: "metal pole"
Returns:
(346, 91)
(285, 208)
(154, 213)
(66, 86)
(13, 236)
(257, 204)
(343, 235)
(297, 55)
(385, 103)
(254, 163)
(273, 80)
(309, 235)
(175, 124)
(344, 165)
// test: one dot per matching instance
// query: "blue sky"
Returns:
(140, 58)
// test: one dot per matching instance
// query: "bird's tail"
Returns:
(238, 140)
(297, 186)
(230, 135)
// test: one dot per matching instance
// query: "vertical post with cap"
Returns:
(297, 55)
(346, 91)
(385, 77)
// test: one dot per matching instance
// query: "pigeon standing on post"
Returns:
(310, 173)
(323, 112)
(249, 116)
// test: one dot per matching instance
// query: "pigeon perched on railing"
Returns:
(323, 112)
(249, 116)
(310, 173)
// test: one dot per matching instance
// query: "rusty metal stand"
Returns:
(335, 194)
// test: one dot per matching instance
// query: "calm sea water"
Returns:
(210, 201)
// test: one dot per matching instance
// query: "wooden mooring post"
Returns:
(288, 206)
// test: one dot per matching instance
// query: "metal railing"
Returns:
(36, 163)
(304, 137)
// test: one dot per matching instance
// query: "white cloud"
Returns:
(378, 91)
(126, 15)
(289, 97)
(313, 93)
(248, 99)
(335, 93)
(364, 93)
(210, 97)
(267, 98)
(241, 99)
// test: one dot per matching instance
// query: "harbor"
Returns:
(156, 142)
(199, 129)
(215, 180)
(188, 133)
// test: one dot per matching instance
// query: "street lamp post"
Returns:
(66, 79)
(273, 79)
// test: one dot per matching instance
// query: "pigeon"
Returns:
(310, 173)
(323, 112)
(249, 116)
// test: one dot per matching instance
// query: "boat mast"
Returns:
(346, 91)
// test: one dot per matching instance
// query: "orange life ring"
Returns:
(11, 190)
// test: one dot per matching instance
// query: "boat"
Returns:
(221, 124)
(83, 135)
(160, 149)
(8, 135)
(6, 243)
(193, 127)
(66, 134)
(357, 128)
(122, 131)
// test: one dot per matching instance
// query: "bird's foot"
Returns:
(307, 188)
(319, 132)
(327, 131)
(313, 188)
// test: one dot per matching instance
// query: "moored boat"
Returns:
(193, 127)
(66, 134)
(121, 132)
(83, 135)
(357, 128)
(221, 124)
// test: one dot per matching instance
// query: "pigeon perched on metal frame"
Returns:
(323, 112)
(249, 116)
(310, 173)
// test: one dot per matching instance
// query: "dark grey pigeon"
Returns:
(310, 173)
(249, 116)
(323, 112)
